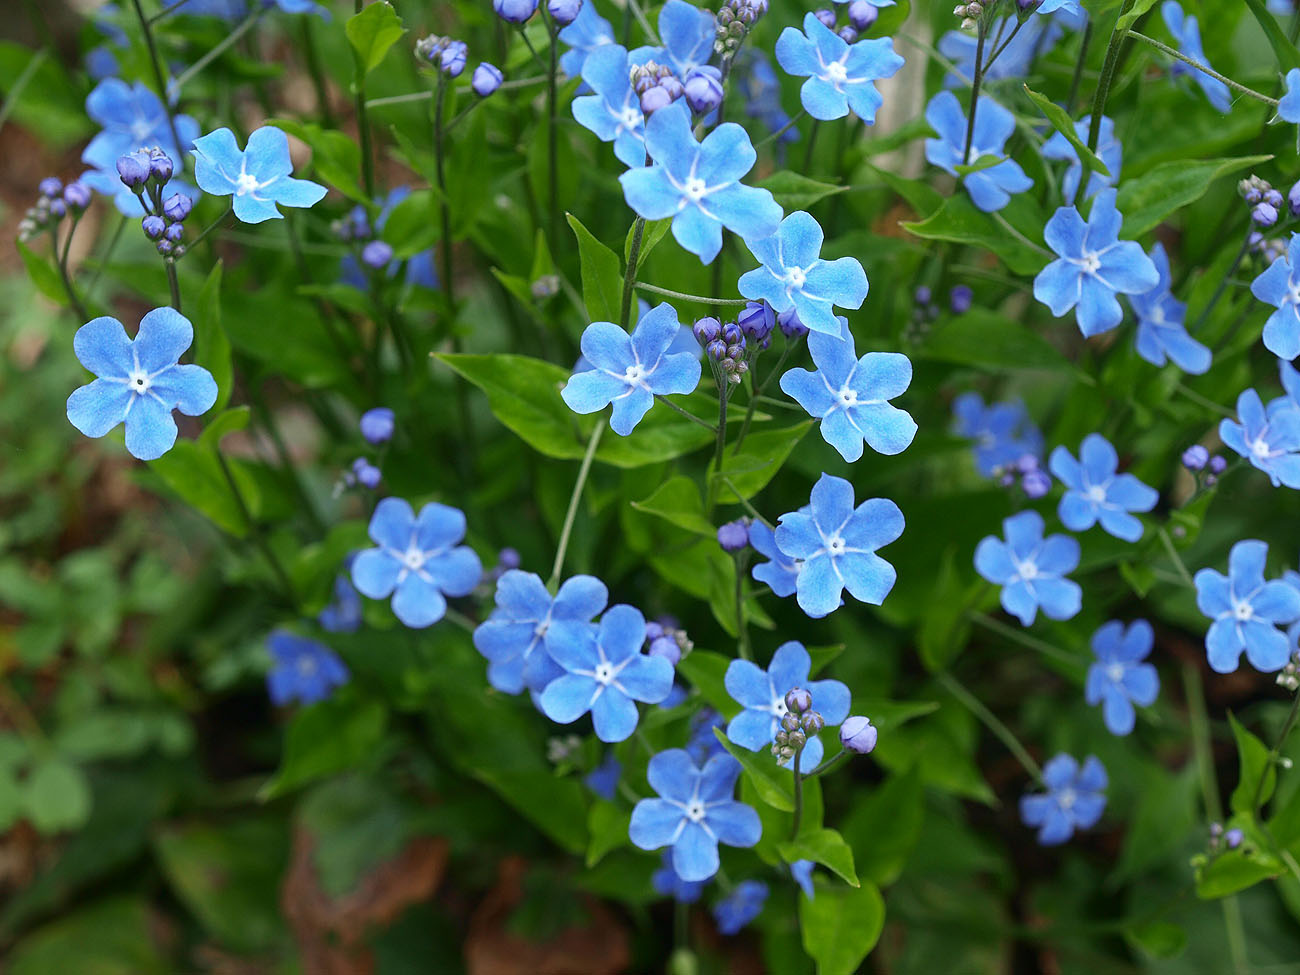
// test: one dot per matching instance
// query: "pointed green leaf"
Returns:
(840, 926)
(602, 278)
(372, 32)
(824, 846)
(1065, 125)
(678, 501)
(774, 785)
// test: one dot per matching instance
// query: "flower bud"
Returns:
(827, 17)
(508, 558)
(133, 169)
(487, 79)
(1264, 214)
(547, 286)
(1233, 837)
(514, 11)
(377, 425)
(791, 326)
(1218, 464)
(798, 700)
(160, 165)
(1273, 198)
(734, 535)
(790, 722)
(1035, 484)
(666, 647)
(166, 248)
(77, 196)
(653, 630)
(849, 35)
(177, 207)
(654, 99)
(717, 350)
(50, 186)
(857, 734)
(452, 59)
(813, 722)
(960, 299)
(862, 14)
(707, 330)
(376, 254)
(175, 232)
(756, 321)
(703, 89)
(366, 473)
(1195, 457)
(564, 12)
(153, 226)
(796, 739)
(58, 208)
(732, 335)
(1293, 200)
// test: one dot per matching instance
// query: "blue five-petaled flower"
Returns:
(695, 812)
(1095, 492)
(140, 381)
(1269, 439)
(1121, 678)
(1160, 331)
(1246, 611)
(1279, 286)
(688, 34)
(257, 178)
(840, 76)
(1003, 432)
(613, 113)
(630, 370)
(1074, 799)
(1031, 569)
(780, 572)
(1187, 34)
(742, 905)
(992, 187)
(304, 671)
(418, 561)
(1109, 150)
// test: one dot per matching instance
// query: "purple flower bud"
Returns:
(813, 722)
(798, 700)
(366, 473)
(791, 326)
(667, 648)
(1035, 484)
(671, 85)
(1025, 5)
(160, 165)
(50, 186)
(507, 559)
(1233, 838)
(177, 207)
(1293, 200)
(376, 254)
(1273, 198)
(58, 209)
(133, 169)
(1195, 457)
(514, 11)
(76, 196)
(153, 226)
(654, 99)
(757, 320)
(175, 232)
(1264, 214)
(703, 89)
(653, 631)
(564, 12)
(165, 247)
(862, 14)
(717, 350)
(732, 335)
(706, 330)
(827, 17)
(857, 734)
(960, 299)
(377, 425)
(487, 79)
(1218, 464)
(734, 535)
(848, 33)
(453, 57)
(922, 295)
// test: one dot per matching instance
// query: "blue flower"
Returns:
(343, 614)
(1269, 440)
(1288, 106)
(514, 638)
(698, 185)
(1074, 799)
(418, 561)
(781, 572)
(1119, 679)
(1093, 265)
(420, 268)
(606, 674)
(757, 83)
(1037, 37)
(299, 7)
(851, 395)
(666, 882)
(1160, 331)
(794, 275)
(762, 693)
(802, 871)
(603, 779)
(840, 76)
(837, 544)
(140, 381)
(589, 32)
(1003, 432)
(703, 744)
(629, 371)
(304, 670)
(1095, 492)
(1031, 569)
(742, 905)
(1246, 611)
(224, 9)
(257, 177)
(613, 113)
(1279, 286)
(688, 34)
(1052, 6)
(1108, 149)
(695, 812)
(1187, 38)
(990, 188)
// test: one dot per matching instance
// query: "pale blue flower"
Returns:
(257, 178)
(1031, 569)
(1003, 432)
(1161, 335)
(1036, 38)
(738, 908)
(1288, 106)
(840, 76)
(613, 113)
(1109, 150)
(588, 32)
(1187, 38)
(1246, 611)
(990, 188)
(781, 572)
(1279, 286)
(1119, 679)
(303, 671)
(1074, 799)
(688, 34)
(1270, 441)
(1095, 492)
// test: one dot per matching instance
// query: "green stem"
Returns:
(812, 141)
(1201, 401)
(990, 720)
(1116, 42)
(207, 230)
(976, 81)
(553, 123)
(1025, 640)
(173, 283)
(20, 83)
(1078, 69)
(424, 96)
(756, 393)
(572, 513)
(156, 63)
(720, 445)
(629, 275)
(1221, 288)
(103, 259)
(798, 795)
(444, 207)
(639, 14)
(690, 416)
(255, 530)
(1204, 69)
(742, 629)
(363, 125)
(216, 52)
(829, 764)
(61, 261)
(741, 500)
(317, 73)
(1257, 800)
(683, 296)
(999, 48)
(461, 620)
(781, 131)
(1177, 559)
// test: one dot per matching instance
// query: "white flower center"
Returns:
(1293, 296)
(139, 381)
(246, 184)
(1096, 494)
(1027, 571)
(779, 708)
(540, 629)
(1260, 448)
(795, 277)
(604, 673)
(836, 73)
(1090, 263)
(413, 558)
(634, 373)
(835, 546)
(1066, 798)
(306, 666)
(695, 189)
(140, 130)
(1242, 611)
(695, 811)
(847, 397)
(1115, 672)
(630, 118)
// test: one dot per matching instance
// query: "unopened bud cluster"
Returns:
(1033, 480)
(733, 23)
(444, 53)
(1228, 839)
(725, 346)
(1207, 468)
(1265, 202)
(798, 722)
(665, 640)
(657, 86)
(1289, 676)
(969, 13)
(145, 172)
(54, 203)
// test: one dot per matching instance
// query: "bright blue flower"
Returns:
(140, 381)
(837, 544)
(1269, 440)
(695, 812)
(631, 369)
(840, 76)
(526, 619)
(1108, 149)
(666, 882)
(606, 673)
(613, 113)
(756, 81)
(257, 177)
(1003, 432)
(1093, 265)
(299, 7)
(1052, 6)
(688, 34)
(1187, 38)
(1288, 106)
(1119, 679)
(1246, 611)
(588, 32)
(1036, 38)
(377, 425)
(1160, 331)
(1074, 799)
(703, 744)
(1279, 286)
(991, 188)
(343, 614)
(1031, 569)
(101, 63)
(742, 905)
(851, 395)
(603, 779)
(762, 693)
(1095, 492)
(781, 572)
(794, 275)
(802, 871)
(224, 9)
(304, 670)
(698, 185)
(418, 561)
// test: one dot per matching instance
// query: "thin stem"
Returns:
(756, 393)
(812, 141)
(1078, 69)
(683, 296)
(78, 308)
(1024, 639)
(999, 48)
(639, 14)
(1257, 800)
(1208, 404)
(781, 131)
(690, 416)
(461, 620)
(215, 53)
(529, 44)
(1177, 559)
(444, 207)
(255, 530)
(156, 63)
(363, 125)
(1006, 225)
(720, 445)
(167, 10)
(424, 96)
(830, 763)
(743, 501)
(20, 83)
(572, 513)
(798, 795)
(976, 81)
(629, 275)
(317, 73)
(207, 230)
(990, 720)
(553, 125)
(1116, 42)
(1221, 288)
(173, 283)
(742, 630)
(1204, 69)
(103, 259)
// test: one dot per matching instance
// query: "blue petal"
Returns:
(568, 698)
(98, 407)
(163, 337)
(418, 603)
(392, 524)
(613, 715)
(150, 429)
(375, 572)
(672, 774)
(102, 347)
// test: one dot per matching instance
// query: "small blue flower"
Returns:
(990, 188)
(794, 275)
(837, 544)
(419, 267)
(1003, 432)
(695, 812)
(299, 7)
(1095, 492)
(343, 614)
(666, 882)
(257, 177)
(1093, 265)
(377, 425)
(781, 572)
(603, 779)
(1119, 679)
(606, 672)
(1052, 6)
(840, 76)
(1288, 106)
(755, 79)
(802, 872)
(629, 371)
(418, 561)
(1187, 38)
(588, 32)
(613, 113)
(1108, 149)
(742, 905)
(1031, 569)
(703, 744)
(1279, 286)
(140, 381)
(1246, 611)
(851, 395)
(1268, 439)
(1074, 800)
(762, 693)
(514, 638)
(688, 34)
(1036, 38)
(304, 670)
(698, 185)
(1160, 331)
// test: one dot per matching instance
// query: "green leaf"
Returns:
(796, 192)
(1065, 125)
(231, 421)
(774, 785)
(413, 225)
(1258, 774)
(840, 926)
(678, 501)
(981, 164)
(987, 340)
(1146, 201)
(56, 797)
(762, 454)
(372, 32)
(824, 846)
(192, 471)
(650, 237)
(607, 825)
(114, 936)
(602, 277)
(1131, 18)
(958, 220)
(1285, 52)
(884, 826)
(707, 672)
(1234, 871)
(43, 274)
(1157, 939)
(334, 156)
(327, 737)
(211, 347)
